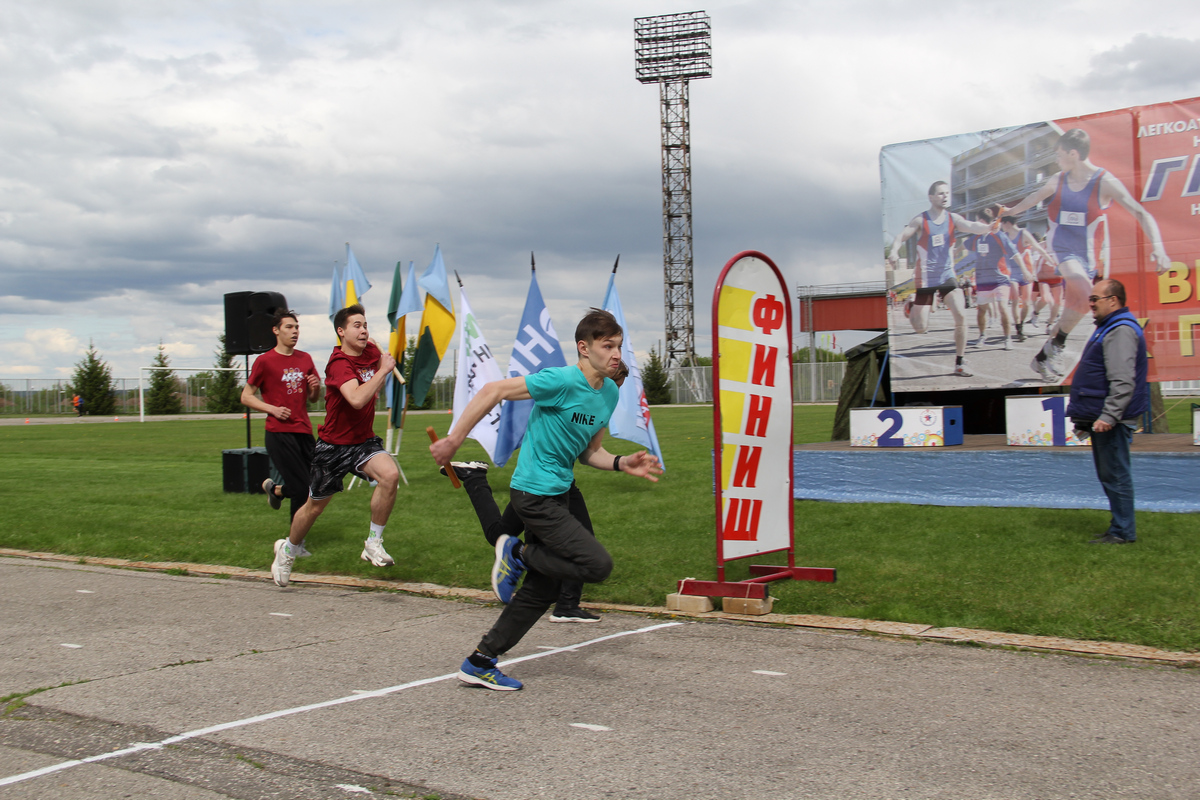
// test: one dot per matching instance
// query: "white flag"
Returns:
(476, 366)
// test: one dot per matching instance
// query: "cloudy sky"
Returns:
(154, 156)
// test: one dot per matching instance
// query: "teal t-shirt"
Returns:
(567, 413)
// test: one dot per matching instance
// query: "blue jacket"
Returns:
(1090, 385)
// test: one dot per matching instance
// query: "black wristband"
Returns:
(617, 464)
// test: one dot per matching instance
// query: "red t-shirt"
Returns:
(344, 424)
(283, 382)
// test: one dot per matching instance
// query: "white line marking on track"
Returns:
(287, 712)
(279, 614)
(72, 646)
(589, 727)
(767, 672)
(85, 591)
(352, 788)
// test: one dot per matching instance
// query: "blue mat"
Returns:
(1017, 476)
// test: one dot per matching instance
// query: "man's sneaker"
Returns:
(1111, 538)
(373, 551)
(506, 572)
(301, 550)
(981, 341)
(281, 568)
(461, 468)
(960, 371)
(275, 500)
(573, 615)
(489, 678)
(1008, 342)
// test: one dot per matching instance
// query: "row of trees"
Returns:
(93, 382)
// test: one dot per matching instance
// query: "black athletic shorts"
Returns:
(925, 294)
(331, 463)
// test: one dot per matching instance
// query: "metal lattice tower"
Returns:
(672, 50)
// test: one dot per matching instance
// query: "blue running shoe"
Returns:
(490, 678)
(507, 571)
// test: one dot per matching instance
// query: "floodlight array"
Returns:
(673, 47)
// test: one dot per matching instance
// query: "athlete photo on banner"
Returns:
(993, 241)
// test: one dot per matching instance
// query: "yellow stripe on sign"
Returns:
(732, 406)
(733, 308)
(728, 454)
(734, 360)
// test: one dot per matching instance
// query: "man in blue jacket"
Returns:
(1108, 393)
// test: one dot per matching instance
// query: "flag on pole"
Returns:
(630, 420)
(476, 367)
(436, 329)
(405, 299)
(356, 282)
(535, 348)
(337, 292)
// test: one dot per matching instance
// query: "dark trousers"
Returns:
(495, 524)
(291, 456)
(1110, 452)
(559, 546)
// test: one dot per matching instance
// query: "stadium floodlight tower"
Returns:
(671, 50)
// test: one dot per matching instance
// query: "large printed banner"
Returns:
(995, 240)
(752, 324)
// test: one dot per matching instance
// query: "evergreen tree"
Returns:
(224, 389)
(93, 382)
(410, 352)
(654, 381)
(162, 397)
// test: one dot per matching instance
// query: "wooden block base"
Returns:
(689, 603)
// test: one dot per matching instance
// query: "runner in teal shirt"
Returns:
(572, 407)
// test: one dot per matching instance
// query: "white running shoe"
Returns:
(981, 341)
(373, 551)
(281, 568)
(1008, 343)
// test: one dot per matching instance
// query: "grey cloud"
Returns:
(1145, 62)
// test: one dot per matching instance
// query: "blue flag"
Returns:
(630, 420)
(354, 280)
(337, 293)
(536, 347)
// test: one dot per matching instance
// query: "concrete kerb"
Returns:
(816, 621)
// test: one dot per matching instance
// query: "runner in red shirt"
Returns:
(347, 443)
(288, 382)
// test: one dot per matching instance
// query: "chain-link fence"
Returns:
(811, 383)
(819, 382)
(44, 396)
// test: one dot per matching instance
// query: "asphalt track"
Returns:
(201, 688)
(925, 361)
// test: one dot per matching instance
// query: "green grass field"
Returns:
(153, 492)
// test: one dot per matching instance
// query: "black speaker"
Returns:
(245, 469)
(237, 323)
(249, 318)
(263, 308)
